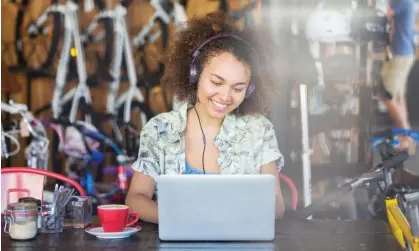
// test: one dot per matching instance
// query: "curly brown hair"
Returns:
(198, 30)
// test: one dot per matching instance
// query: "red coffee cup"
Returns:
(115, 217)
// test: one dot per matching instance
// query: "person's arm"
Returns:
(279, 199)
(139, 197)
(271, 162)
(146, 170)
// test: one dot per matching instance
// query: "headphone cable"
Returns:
(203, 138)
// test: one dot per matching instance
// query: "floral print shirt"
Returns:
(245, 144)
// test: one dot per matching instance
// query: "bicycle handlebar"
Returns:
(13, 108)
(373, 174)
(394, 161)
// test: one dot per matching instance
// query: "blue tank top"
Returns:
(190, 170)
(404, 22)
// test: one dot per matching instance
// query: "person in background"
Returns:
(395, 72)
(223, 80)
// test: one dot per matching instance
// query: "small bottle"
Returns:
(21, 220)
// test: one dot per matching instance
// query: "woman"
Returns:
(220, 129)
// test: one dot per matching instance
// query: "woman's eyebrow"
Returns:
(217, 76)
(222, 79)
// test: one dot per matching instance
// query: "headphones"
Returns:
(193, 70)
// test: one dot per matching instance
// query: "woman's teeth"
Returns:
(221, 106)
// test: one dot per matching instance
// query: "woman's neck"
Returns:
(205, 119)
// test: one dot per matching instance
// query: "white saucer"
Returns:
(98, 232)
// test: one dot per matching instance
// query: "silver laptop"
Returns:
(216, 207)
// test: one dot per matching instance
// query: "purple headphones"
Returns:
(193, 72)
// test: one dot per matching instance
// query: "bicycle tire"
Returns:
(22, 62)
(18, 34)
(107, 23)
(54, 40)
(108, 27)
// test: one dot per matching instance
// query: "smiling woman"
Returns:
(221, 77)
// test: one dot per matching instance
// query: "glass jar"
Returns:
(37, 202)
(21, 220)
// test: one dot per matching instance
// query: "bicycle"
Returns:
(123, 104)
(90, 156)
(404, 226)
(401, 199)
(73, 55)
(36, 153)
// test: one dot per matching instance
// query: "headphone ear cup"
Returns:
(193, 74)
(250, 90)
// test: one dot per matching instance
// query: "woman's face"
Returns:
(222, 84)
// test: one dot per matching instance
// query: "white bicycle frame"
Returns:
(122, 45)
(71, 34)
(60, 8)
(178, 14)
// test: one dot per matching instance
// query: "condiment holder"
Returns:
(52, 216)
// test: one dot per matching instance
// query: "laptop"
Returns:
(216, 207)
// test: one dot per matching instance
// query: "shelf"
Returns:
(325, 123)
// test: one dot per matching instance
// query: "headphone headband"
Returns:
(197, 50)
(193, 75)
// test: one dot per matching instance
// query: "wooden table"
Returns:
(291, 235)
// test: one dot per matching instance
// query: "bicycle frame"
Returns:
(123, 47)
(71, 34)
(143, 36)
(400, 226)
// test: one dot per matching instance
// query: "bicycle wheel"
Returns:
(107, 23)
(18, 33)
(56, 34)
(52, 44)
